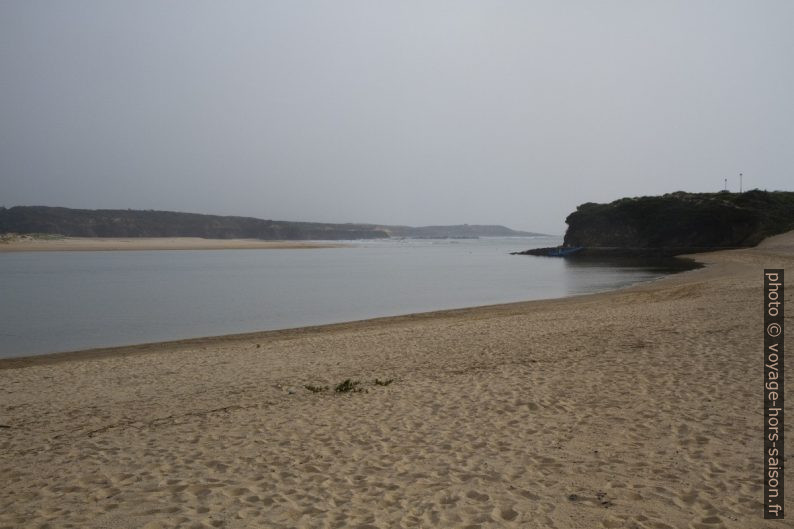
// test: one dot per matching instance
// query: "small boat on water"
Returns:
(562, 251)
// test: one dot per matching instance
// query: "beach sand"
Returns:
(638, 408)
(95, 244)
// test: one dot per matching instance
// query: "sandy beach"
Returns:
(639, 409)
(95, 244)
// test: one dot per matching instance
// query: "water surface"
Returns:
(63, 301)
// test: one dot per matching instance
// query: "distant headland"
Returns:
(149, 223)
(675, 223)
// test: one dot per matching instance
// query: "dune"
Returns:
(636, 408)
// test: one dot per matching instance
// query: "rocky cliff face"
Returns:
(682, 220)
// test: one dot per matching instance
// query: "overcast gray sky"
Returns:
(401, 112)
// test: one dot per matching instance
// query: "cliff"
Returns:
(673, 224)
(149, 223)
(682, 220)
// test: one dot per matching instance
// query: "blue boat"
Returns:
(561, 251)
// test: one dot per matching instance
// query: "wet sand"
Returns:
(638, 408)
(96, 244)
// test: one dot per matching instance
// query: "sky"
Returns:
(391, 112)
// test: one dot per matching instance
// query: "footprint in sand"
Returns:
(476, 496)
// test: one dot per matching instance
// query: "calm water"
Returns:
(62, 301)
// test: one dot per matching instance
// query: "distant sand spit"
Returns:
(638, 408)
(95, 244)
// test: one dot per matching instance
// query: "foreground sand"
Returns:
(639, 408)
(94, 244)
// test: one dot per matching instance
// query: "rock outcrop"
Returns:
(682, 220)
(674, 224)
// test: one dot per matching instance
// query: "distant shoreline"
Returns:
(99, 244)
(67, 222)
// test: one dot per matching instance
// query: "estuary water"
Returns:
(64, 301)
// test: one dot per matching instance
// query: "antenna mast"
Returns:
(740, 182)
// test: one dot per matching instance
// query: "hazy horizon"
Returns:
(431, 113)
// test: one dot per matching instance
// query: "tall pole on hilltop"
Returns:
(740, 182)
(726, 184)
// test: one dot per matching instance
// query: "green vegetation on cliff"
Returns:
(682, 220)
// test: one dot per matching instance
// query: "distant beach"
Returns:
(639, 407)
(26, 243)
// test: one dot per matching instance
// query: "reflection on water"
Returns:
(595, 274)
(60, 301)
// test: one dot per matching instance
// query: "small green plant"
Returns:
(348, 386)
(316, 389)
(379, 382)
